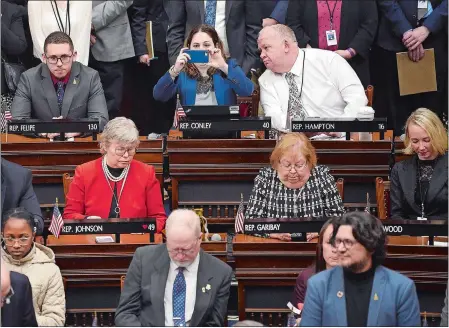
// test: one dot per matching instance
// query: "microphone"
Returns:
(215, 237)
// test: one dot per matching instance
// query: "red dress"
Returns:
(90, 195)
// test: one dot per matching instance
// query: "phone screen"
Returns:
(198, 56)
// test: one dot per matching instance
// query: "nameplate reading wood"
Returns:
(242, 124)
(391, 227)
(54, 126)
(113, 226)
(321, 125)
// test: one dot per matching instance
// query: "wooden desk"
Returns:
(84, 263)
(240, 160)
(270, 267)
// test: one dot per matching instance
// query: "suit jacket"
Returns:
(358, 28)
(89, 194)
(225, 88)
(111, 27)
(13, 36)
(20, 312)
(403, 185)
(397, 304)
(36, 95)
(280, 11)
(398, 16)
(243, 23)
(142, 299)
(17, 191)
(149, 10)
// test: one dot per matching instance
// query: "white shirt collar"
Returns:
(192, 268)
(297, 66)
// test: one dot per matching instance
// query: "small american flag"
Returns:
(240, 217)
(56, 222)
(5, 117)
(179, 113)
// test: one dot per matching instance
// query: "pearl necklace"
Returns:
(109, 174)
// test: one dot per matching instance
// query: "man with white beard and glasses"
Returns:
(177, 283)
(360, 292)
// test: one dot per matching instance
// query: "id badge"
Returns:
(422, 4)
(331, 38)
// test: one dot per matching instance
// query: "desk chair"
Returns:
(383, 198)
(66, 181)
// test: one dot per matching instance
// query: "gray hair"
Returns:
(120, 129)
(283, 31)
(183, 218)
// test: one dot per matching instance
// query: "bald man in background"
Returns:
(177, 283)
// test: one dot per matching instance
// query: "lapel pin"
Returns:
(75, 81)
(376, 298)
(203, 289)
(208, 287)
(340, 294)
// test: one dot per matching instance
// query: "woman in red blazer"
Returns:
(116, 186)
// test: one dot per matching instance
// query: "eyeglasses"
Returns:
(289, 166)
(188, 251)
(10, 241)
(347, 243)
(120, 151)
(54, 59)
(7, 298)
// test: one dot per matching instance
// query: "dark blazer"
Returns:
(396, 303)
(13, 36)
(83, 98)
(398, 16)
(142, 299)
(299, 294)
(141, 12)
(280, 11)
(20, 312)
(243, 23)
(358, 28)
(403, 185)
(226, 88)
(17, 191)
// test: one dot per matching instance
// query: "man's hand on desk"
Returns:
(281, 236)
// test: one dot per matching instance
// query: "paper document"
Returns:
(417, 77)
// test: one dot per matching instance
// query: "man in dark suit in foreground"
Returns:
(177, 283)
(17, 191)
(17, 300)
(60, 87)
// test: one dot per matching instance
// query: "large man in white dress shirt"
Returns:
(304, 82)
(175, 284)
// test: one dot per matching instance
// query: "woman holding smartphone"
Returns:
(217, 81)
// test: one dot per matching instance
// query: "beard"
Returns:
(356, 266)
(182, 264)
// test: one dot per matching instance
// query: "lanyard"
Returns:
(331, 14)
(61, 26)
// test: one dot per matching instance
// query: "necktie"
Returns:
(60, 94)
(211, 10)
(295, 107)
(179, 299)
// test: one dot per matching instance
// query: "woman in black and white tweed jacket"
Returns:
(294, 186)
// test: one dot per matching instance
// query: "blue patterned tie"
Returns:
(211, 10)
(179, 299)
(60, 94)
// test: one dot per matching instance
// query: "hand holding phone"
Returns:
(198, 56)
